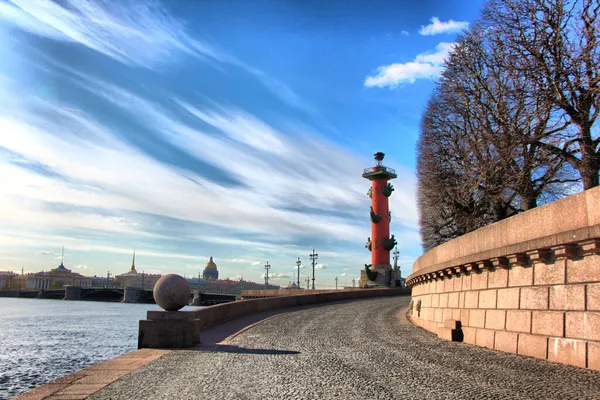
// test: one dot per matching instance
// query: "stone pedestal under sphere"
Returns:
(172, 292)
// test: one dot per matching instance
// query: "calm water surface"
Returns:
(41, 340)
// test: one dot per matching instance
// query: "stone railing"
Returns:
(528, 285)
(181, 329)
(263, 293)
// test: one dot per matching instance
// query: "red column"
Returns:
(380, 230)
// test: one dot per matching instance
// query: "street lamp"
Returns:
(298, 263)
(267, 267)
(313, 258)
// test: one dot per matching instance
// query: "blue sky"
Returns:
(236, 129)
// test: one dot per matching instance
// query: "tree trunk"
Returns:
(529, 202)
(590, 160)
(589, 177)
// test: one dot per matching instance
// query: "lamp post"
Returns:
(267, 267)
(298, 263)
(396, 272)
(336, 281)
(313, 258)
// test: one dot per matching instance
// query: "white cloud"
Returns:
(278, 276)
(343, 274)
(427, 65)
(138, 34)
(404, 33)
(320, 266)
(436, 27)
(29, 239)
(103, 182)
(134, 33)
(47, 253)
(80, 266)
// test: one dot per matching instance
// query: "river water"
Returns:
(41, 340)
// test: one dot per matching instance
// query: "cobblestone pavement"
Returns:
(357, 350)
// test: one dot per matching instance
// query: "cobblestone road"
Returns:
(356, 350)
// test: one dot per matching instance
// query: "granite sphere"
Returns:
(172, 292)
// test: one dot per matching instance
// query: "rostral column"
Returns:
(379, 272)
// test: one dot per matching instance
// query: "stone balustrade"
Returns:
(528, 285)
(181, 329)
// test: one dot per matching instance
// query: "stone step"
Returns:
(452, 324)
(453, 335)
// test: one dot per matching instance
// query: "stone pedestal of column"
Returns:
(383, 278)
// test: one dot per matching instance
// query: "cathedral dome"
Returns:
(210, 264)
(211, 273)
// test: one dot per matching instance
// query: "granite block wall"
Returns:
(539, 297)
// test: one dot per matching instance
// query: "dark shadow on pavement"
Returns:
(227, 348)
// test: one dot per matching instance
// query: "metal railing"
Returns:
(379, 168)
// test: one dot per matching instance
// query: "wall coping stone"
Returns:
(565, 228)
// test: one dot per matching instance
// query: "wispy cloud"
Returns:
(47, 253)
(79, 244)
(139, 34)
(427, 65)
(281, 90)
(92, 177)
(404, 33)
(280, 276)
(134, 33)
(437, 27)
(71, 175)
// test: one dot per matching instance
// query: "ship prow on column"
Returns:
(379, 272)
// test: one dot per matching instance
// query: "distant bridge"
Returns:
(115, 294)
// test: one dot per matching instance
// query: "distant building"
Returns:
(291, 285)
(134, 279)
(57, 278)
(7, 280)
(210, 271)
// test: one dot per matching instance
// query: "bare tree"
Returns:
(557, 41)
(510, 117)
(483, 154)
(449, 201)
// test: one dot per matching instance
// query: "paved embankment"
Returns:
(355, 350)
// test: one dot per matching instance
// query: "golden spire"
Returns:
(132, 270)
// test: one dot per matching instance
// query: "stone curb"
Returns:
(84, 383)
